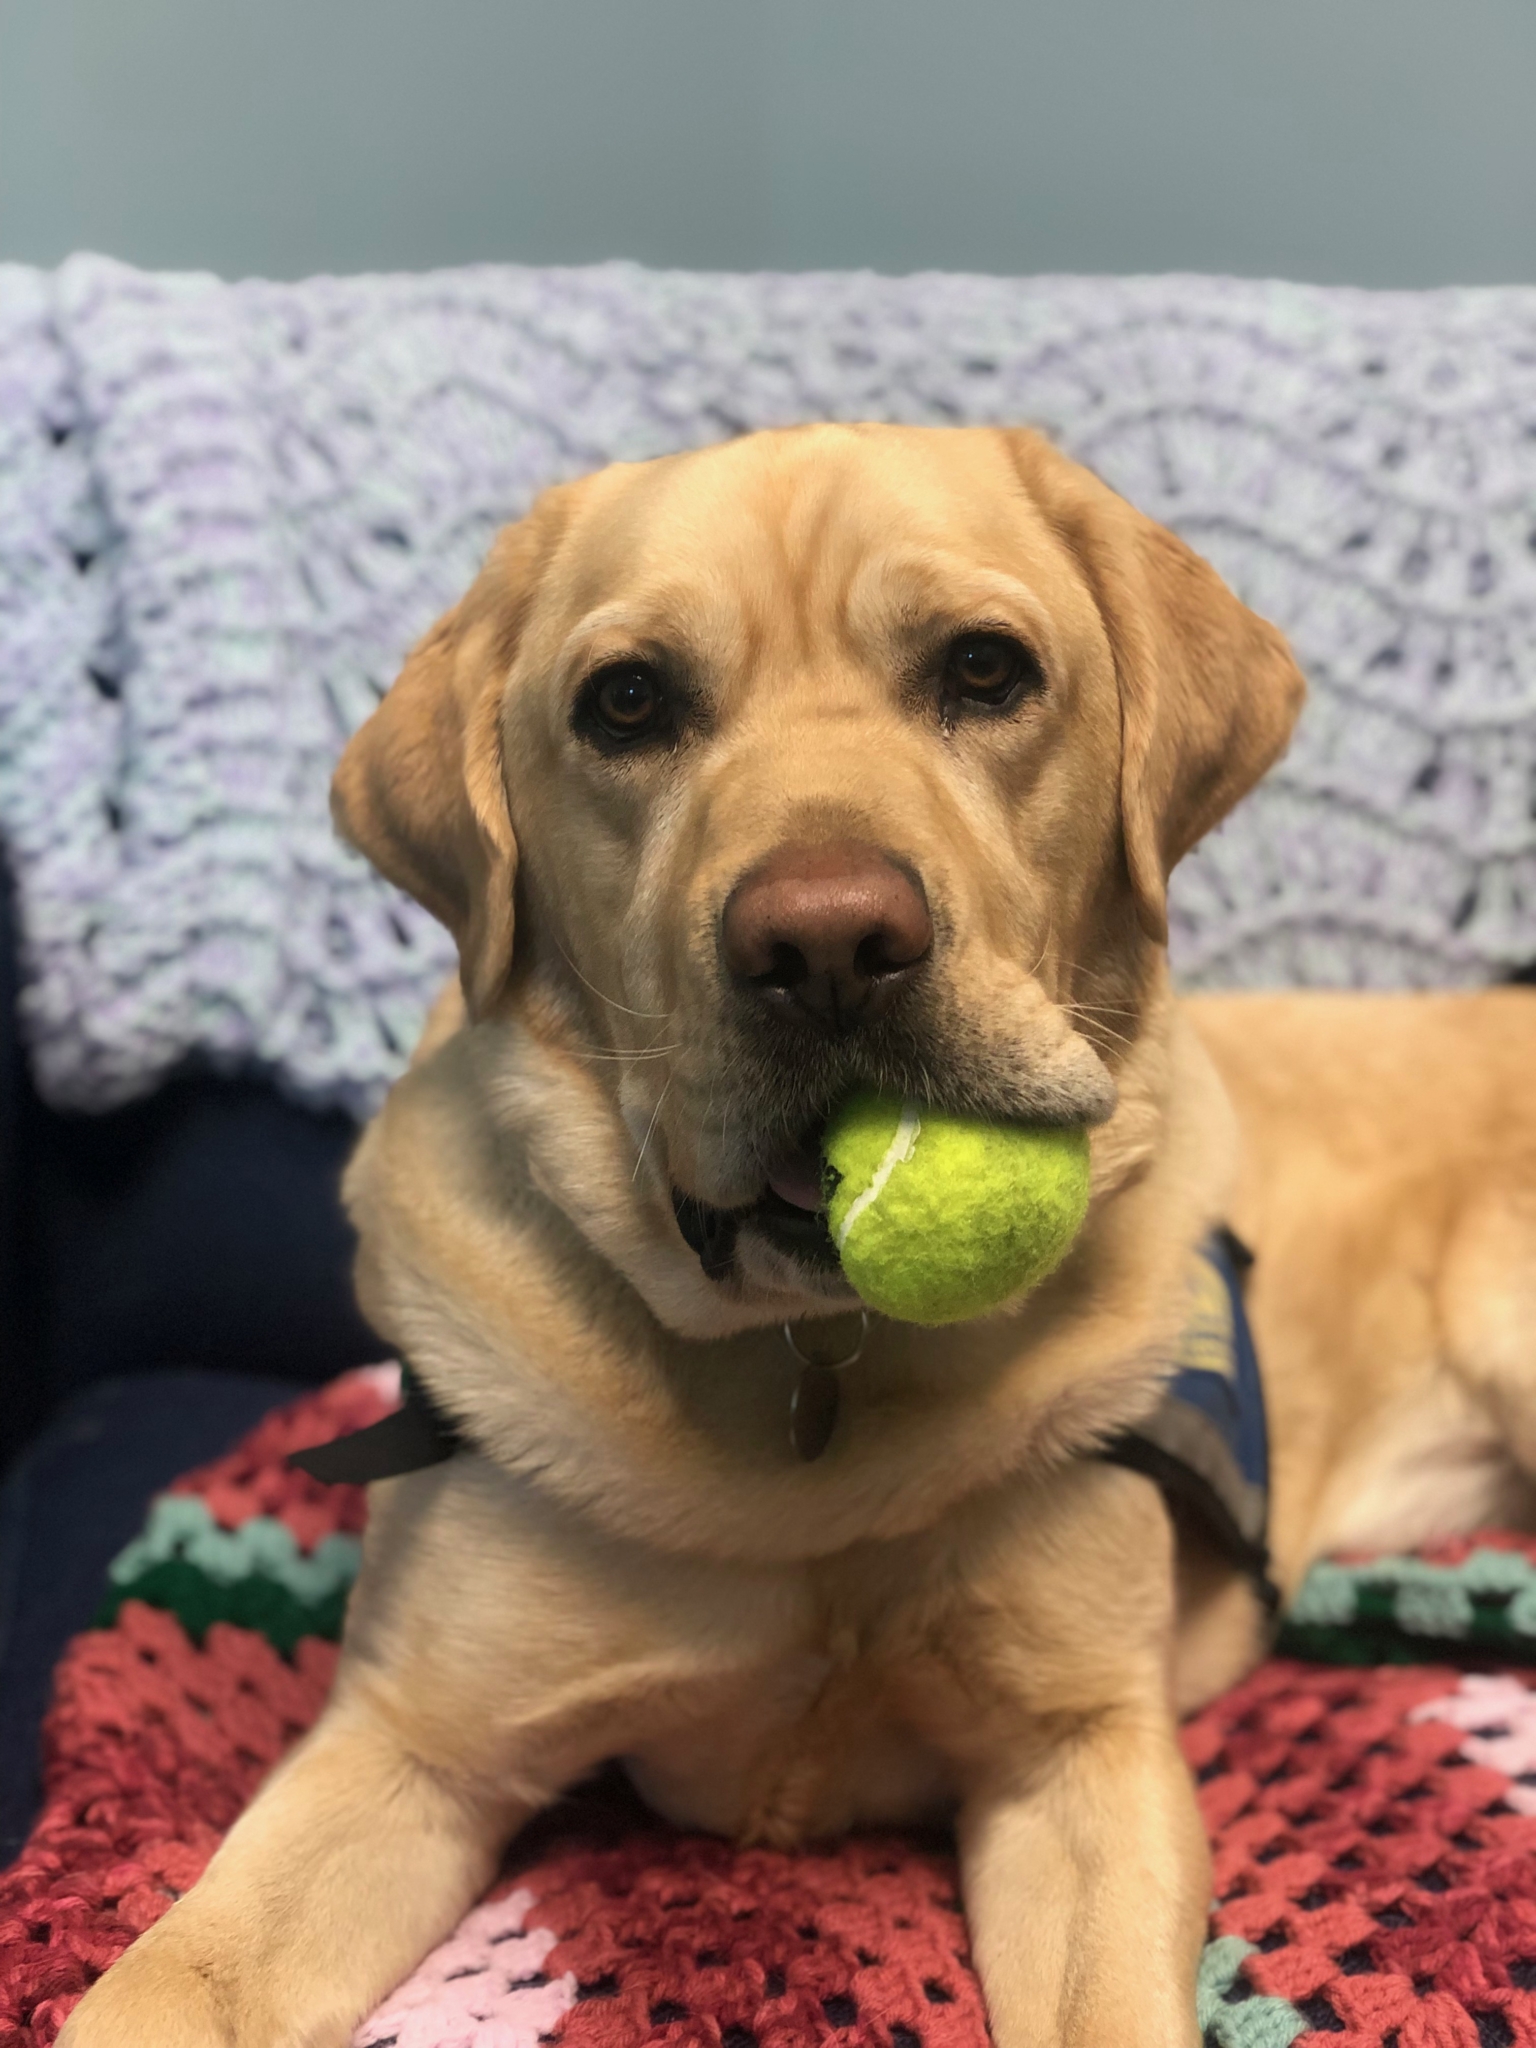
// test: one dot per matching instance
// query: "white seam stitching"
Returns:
(903, 1144)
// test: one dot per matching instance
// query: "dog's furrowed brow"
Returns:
(697, 642)
(910, 605)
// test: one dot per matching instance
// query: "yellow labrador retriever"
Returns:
(837, 756)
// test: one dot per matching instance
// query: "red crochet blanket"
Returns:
(1374, 1829)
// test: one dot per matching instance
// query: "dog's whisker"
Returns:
(1098, 1020)
(1114, 1039)
(650, 1127)
(602, 997)
(1045, 947)
(1103, 1009)
(1099, 1009)
(644, 1052)
(1099, 1029)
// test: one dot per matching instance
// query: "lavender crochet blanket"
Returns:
(225, 510)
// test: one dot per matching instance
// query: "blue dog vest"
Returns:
(1206, 1443)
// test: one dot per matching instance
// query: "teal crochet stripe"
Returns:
(1391, 1610)
(1394, 1609)
(1230, 2015)
(255, 1576)
(181, 1527)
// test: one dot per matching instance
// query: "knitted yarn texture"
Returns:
(226, 511)
(1374, 1832)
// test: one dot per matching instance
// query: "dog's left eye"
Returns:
(990, 669)
(623, 703)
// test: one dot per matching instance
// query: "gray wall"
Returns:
(1373, 141)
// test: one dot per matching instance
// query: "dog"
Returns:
(831, 757)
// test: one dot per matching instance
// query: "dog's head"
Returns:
(827, 757)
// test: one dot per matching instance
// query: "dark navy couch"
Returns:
(167, 1273)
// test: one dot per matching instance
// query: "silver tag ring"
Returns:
(831, 1364)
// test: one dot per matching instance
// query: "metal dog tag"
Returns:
(813, 1411)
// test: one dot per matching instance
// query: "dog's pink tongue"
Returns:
(796, 1178)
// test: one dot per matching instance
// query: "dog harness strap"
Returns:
(1206, 1444)
(413, 1436)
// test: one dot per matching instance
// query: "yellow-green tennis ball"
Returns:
(937, 1218)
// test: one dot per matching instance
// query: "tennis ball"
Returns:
(937, 1217)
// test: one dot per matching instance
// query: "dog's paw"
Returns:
(151, 1998)
(193, 1985)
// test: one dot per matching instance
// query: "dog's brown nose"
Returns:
(828, 934)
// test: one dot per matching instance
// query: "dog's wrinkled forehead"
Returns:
(764, 547)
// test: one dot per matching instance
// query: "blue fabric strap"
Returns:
(1206, 1444)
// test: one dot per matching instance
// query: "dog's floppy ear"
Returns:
(421, 788)
(1209, 691)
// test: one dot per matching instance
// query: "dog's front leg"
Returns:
(1084, 1862)
(497, 1647)
(1087, 1886)
(355, 1858)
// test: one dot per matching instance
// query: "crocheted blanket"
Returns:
(1374, 1831)
(225, 511)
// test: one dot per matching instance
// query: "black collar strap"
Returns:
(411, 1437)
(418, 1434)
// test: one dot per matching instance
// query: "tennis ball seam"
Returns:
(903, 1144)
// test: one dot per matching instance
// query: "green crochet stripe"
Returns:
(1392, 1610)
(1396, 1610)
(1232, 2016)
(255, 1576)
(254, 1603)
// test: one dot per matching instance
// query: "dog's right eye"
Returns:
(622, 704)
